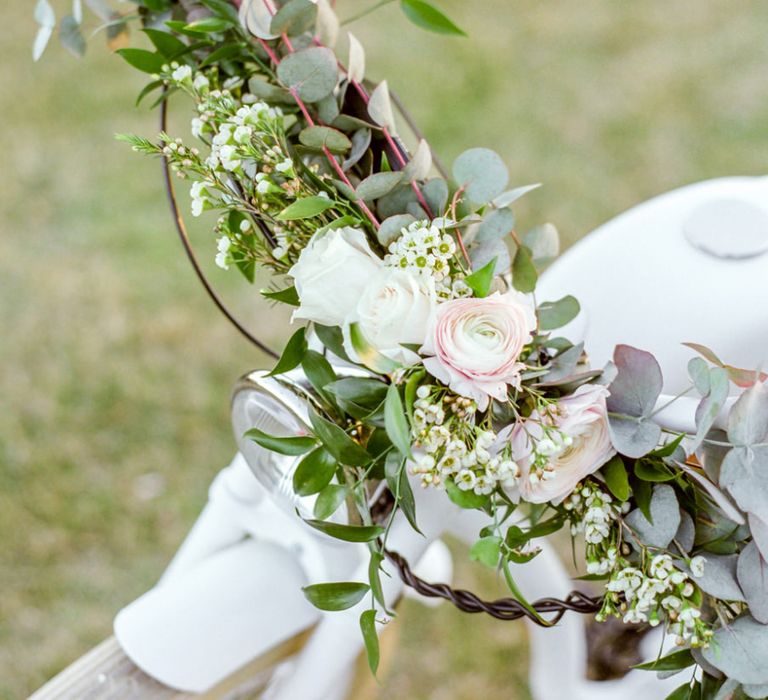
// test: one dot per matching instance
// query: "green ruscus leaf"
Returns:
(336, 596)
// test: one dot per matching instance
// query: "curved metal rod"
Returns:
(181, 229)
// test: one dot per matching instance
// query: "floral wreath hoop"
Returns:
(429, 359)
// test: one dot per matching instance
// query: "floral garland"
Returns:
(461, 381)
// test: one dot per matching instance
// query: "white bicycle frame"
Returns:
(232, 592)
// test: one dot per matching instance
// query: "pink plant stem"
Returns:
(387, 136)
(308, 117)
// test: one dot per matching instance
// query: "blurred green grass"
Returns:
(115, 370)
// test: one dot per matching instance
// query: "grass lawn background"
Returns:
(115, 370)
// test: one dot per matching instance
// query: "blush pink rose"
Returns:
(475, 344)
(582, 417)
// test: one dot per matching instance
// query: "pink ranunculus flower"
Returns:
(475, 344)
(581, 419)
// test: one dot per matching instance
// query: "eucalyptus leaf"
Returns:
(633, 437)
(378, 184)
(511, 196)
(482, 173)
(719, 577)
(435, 192)
(752, 575)
(361, 142)
(420, 163)
(392, 227)
(638, 382)
(710, 406)
(294, 17)
(314, 472)
(380, 107)
(524, 275)
(740, 651)
(398, 201)
(544, 243)
(698, 371)
(760, 692)
(556, 314)
(356, 63)
(320, 137)
(496, 225)
(312, 73)
(480, 254)
(327, 27)
(336, 596)
(759, 529)
(71, 37)
(665, 519)
(748, 419)
(744, 474)
(269, 92)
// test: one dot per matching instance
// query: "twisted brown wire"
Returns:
(501, 609)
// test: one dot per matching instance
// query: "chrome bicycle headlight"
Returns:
(278, 406)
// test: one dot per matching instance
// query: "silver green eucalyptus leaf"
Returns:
(482, 253)
(752, 574)
(435, 191)
(710, 406)
(294, 17)
(420, 164)
(740, 651)
(748, 419)
(510, 196)
(380, 107)
(556, 314)
(664, 523)
(327, 26)
(544, 242)
(71, 37)
(686, 533)
(719, 577)
(482, 173)
(46, 21)
(496, 225)
(328, 109)
(759, 529)
(320, 137)
(268, 92)
(398, 201)
(638, 383)
(312, 73)
(392, 227)
(727, 689)
(698, 371)
(378, 184)
(356, 64)
(361, 141)
(744, 474)
(633, 437)
(256, 17)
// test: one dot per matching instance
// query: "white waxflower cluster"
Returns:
(593, 512)
(546, 449)
(450, 446)
(660, 592)
(423, 248)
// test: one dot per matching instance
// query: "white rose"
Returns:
(331, 275)
(394, 309)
